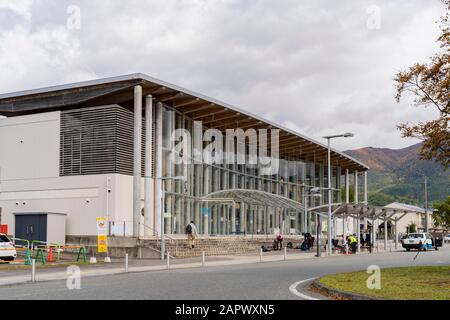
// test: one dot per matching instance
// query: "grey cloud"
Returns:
(311, 65)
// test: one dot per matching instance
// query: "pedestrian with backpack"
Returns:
(191, 233)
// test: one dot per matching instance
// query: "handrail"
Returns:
(48, 244)
(25, 240)
(156, 231)
(150, 228)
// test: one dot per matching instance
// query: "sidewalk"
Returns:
(117, 266)
(9, 276)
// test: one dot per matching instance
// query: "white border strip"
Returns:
(293, 289)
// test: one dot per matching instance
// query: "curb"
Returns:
(341, 294)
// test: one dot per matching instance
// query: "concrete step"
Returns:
(217, 246)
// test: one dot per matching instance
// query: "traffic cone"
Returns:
(50, 256)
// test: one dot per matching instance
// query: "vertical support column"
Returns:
(207, 190)
(158, 167)
(356, 199)
(347, 186)
(137, 161)
(358, 231)
(260, 218)
(395, 234)
(372, 240)
(242, 220)
(233, 218)
(148, 197)
(344, 229)
(385, 232)
(365, 188)
(252, 221)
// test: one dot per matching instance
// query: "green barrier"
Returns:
(28, 257)
(82, 254)
(40, 254)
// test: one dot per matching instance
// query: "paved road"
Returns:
(267, 280)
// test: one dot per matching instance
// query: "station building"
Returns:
(72, 153)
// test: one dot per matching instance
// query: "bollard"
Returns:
(260, 255)
(33, 270)
(126, 262)
(285, 253)
(168, 260)
(203, 258)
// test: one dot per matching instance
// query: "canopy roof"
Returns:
(256, 197)
(213, 113)
(362, 210)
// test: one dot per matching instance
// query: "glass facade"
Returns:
(183, 200)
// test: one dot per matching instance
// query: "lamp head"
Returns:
(348, 135)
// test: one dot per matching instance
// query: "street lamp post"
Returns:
(163, 195)
(315, 192)
(345, 135)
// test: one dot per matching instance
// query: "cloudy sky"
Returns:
(318, 67)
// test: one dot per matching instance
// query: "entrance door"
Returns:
(31, 227)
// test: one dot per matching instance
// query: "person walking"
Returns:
(191, 233)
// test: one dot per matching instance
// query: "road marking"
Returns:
(293, 289)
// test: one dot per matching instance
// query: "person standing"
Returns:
(368, 242)
(191, 233)
(279, 241)
(361, 238)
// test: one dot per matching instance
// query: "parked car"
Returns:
(7, 250)
(447, 238)
(419, 241)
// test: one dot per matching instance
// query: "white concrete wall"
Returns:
(29, 146)
(30, 181)
(56, 228)
(82, 198)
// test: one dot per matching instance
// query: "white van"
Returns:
(419, 241)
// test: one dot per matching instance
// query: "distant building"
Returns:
(415, 215)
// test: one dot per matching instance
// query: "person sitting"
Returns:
(304, 246)
(275, 244)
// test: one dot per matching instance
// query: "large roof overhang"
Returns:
(213, 113)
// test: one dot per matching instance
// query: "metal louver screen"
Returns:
(98, 140)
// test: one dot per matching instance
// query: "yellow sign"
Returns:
(102, 240)
(102, 244)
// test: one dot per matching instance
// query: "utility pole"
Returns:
(426, 205)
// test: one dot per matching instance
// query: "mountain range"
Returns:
(399, 174)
